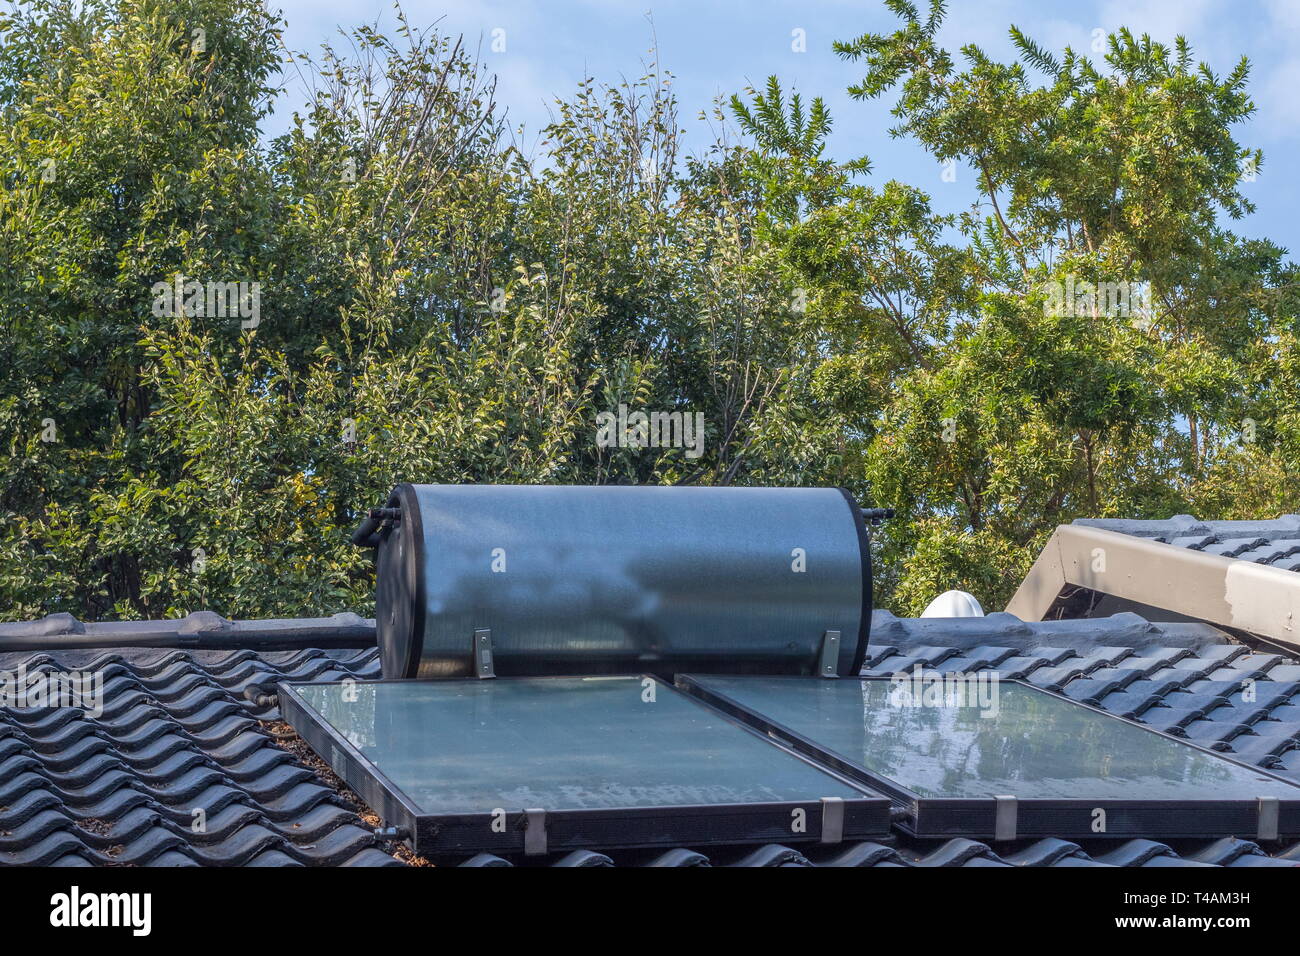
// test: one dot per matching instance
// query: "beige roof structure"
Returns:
(1243, 576)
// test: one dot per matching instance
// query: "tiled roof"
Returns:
(177, 733)
(1275, 542)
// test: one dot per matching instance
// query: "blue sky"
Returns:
(716, 48)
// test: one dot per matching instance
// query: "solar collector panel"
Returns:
(958, 765)
(609, 761)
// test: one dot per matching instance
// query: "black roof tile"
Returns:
(1054, 678)
(1090, 691)
(1019, 668)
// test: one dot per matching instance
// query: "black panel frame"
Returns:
(976, 817)
(452, 835)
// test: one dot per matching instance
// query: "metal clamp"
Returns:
(832, 819)
(1269, 811)
(1004, 822)
(534, 833)
(829, 663)
(483, 666)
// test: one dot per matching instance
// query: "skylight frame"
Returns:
(978, 817)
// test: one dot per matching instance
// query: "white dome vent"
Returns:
(954, 604)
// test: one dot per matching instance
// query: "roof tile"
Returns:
(177, 734)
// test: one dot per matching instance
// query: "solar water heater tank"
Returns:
(619, 579)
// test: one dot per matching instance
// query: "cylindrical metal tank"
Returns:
(619, 579)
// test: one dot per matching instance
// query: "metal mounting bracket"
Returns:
(534, 833)
(1004, 823)
(1268, 819)
(832, 819)
(829, 663)
(483, 666)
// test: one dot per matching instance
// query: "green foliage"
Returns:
(1113, 177)
(436, 306)
(944, 558)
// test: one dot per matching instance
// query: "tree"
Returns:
(392, 291)
(1116, 343)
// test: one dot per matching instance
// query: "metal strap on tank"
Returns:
(832, 819)
(1004, 823)
(534, 833)
(483, 666)
(1268, 818)
(829, 664)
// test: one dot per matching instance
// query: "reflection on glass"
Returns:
(1032, 746)
(351, 705)
(562, 743)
